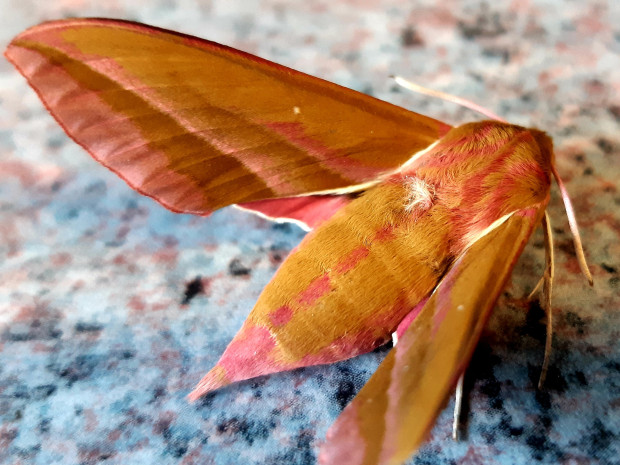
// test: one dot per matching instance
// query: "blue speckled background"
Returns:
(98, 349)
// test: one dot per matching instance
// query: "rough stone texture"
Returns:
(111, 308)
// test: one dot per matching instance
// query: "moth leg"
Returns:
(547, 289)
(458, 404)
(538, 284)
(536, 288)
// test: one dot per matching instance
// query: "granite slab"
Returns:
(112, 308)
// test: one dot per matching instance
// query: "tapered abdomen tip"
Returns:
(250, 354)
(214, 379)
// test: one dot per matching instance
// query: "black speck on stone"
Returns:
(96, 187)
(35, 330)
(609, 268)
(575, 321)
(206, 400)
(410, 38)
(588, 171)
(284, 227)
(599, 440)
(304, 445)
(497, 52)
(485, 24)
(579, 378)
(192, 289)
(177, 442)
(29, 453)
(346, 392)
(605, 145)
(615, 111)
(127, 354)
(489, 433)
(80, 368)
(43, 391)
(44, 425)
(55, 142)
(158, 392)
(545, 449)
(82, 326)
(250, 431)
(72, 213)
(301, 452)
(20, 392)
(368, 90)
(347, 387)
(508, 429)
(236, 268)
(567, 246)
(613, 282)
(538, 443)
(92, 456)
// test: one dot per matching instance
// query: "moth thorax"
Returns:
(420, 194)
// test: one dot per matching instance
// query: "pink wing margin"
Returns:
(306, 211)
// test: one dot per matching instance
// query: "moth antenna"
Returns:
(547, 290)
(412, 86)
(458, 404)
(574, 229)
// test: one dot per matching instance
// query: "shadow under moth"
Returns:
(415, 225)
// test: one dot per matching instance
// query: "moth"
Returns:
(415, 225)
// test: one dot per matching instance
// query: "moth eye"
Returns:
(420, 194)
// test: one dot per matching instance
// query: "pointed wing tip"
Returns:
(13, 46)
(7, 52)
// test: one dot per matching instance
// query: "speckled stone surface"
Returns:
(111, 308)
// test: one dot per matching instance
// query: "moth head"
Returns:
(484, 171)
